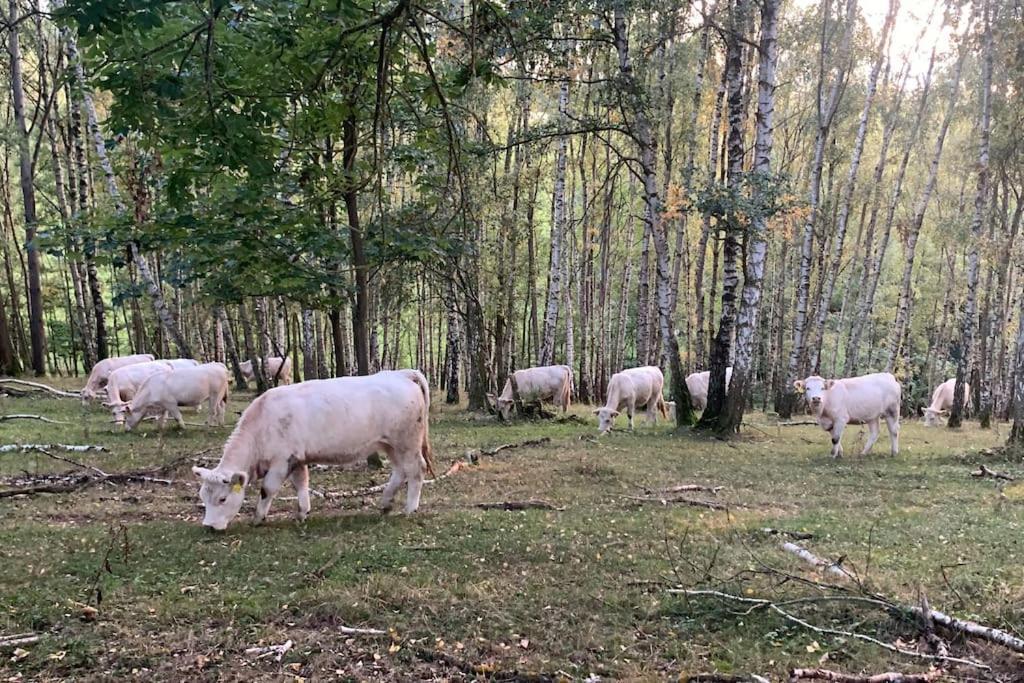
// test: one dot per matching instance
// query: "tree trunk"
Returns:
(977, 220)
(1017, 432)
(757, 244)
(547, 348)
(642, 135)
(37, 333)
(828, 276)
(826, 114)
(452, 345)
(360, 311)
(700, 355)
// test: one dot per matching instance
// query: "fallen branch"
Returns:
(759, 603)
(4, 418)
(73, 448)
(683, 500)
(511, 505)
(984, 471)
(722, 678)
(799, 423)
(275, 651)
(798, 535)
(39, 387)
(889, 677)
(19, 639)
(350, 631)
(484, 670)
(510, 446)
(69, 483)
(926, 614)
(713, 490)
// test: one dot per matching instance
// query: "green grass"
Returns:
(576, 591)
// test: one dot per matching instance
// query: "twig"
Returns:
(350, 631)
(693, 487)
(25, 416)
(682, 500)
(510, 446)
(275, 651)
(798, 535)
(519, 505)
(74, 448)
(889, 677)
(768, 604)
(799, 423)
(984, 471)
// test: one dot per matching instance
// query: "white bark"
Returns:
(547, 349)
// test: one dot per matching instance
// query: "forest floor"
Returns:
(121, 581)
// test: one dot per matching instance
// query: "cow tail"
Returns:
(425, 450)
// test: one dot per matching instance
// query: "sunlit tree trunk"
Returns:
(555, 272)
(967, 325)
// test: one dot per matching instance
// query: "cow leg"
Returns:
(652, 411)
(175, 412)
(300, 480)
(271, 485)
(630, 409)
(414, 478)
(873, 429)
(893, 423)
(837, 438)
(397, 477)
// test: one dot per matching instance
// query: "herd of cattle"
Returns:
(347, 419)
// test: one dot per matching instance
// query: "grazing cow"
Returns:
(546, 383)
(942, 401)
(178, 363)
(855, 400)
(101, 372)
(337, 421)
(698, 384)
(633, 388)
(124, 383)
(163, 392)
(271, 366)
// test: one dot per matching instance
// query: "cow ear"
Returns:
(829, 383)
(596, 411)
(237, 480)
(799, 386)
(615, 413)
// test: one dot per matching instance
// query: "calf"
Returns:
(101, 372)
(337, 421)
(855, 400)
(163, 392)
(125, 382)
(546, 383)
(698, 383)
(275, 367)
(942, 401)
(631, 389)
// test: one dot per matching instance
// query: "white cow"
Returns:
(942, 401)
(855, 400)
(270, 367)
(631, 389)
(124, 383)
(101, 372)
(546, 383)
(338, 421)
(163, 392)
(178, 363)
(698, 384)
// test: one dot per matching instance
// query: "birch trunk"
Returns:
(547, 347)
(705, 233)
(826, 114)
(977, 221)
(828, 275)
(757, 244)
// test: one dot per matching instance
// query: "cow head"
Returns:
(134, 417)
(813, 388)
(222, 493)
(605, 419)
(505, 407)
(931, 417)
(118, 409)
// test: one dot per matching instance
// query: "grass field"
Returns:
(121, 581)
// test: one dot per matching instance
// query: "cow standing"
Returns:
(336, 421)
(546, 383)
(855, 400)
(632, 389)
(125, 382)
(698, 383)
(942, 401)
(101, 372)
(275, 367)
(163, 392)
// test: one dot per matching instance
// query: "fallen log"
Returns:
(926, 614)
(19, 639)
(984, 471)
(73, 448)
(511, 505)
(24, 416)
(38, 386)
(888, 677)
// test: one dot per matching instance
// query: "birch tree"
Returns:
(555, 272)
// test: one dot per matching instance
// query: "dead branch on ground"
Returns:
(512, 505)
(68, 483)
(888, 677)
(25, 416)
(275, 651)
(984, 471)
(684, 500)
(509, 446)
(713, 490)
(722, 678)
(485, 670)
(798, 535)
(14, 384)
(799, 423)
(73, 448)
(19, 639)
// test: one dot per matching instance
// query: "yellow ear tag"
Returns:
(236, 488)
